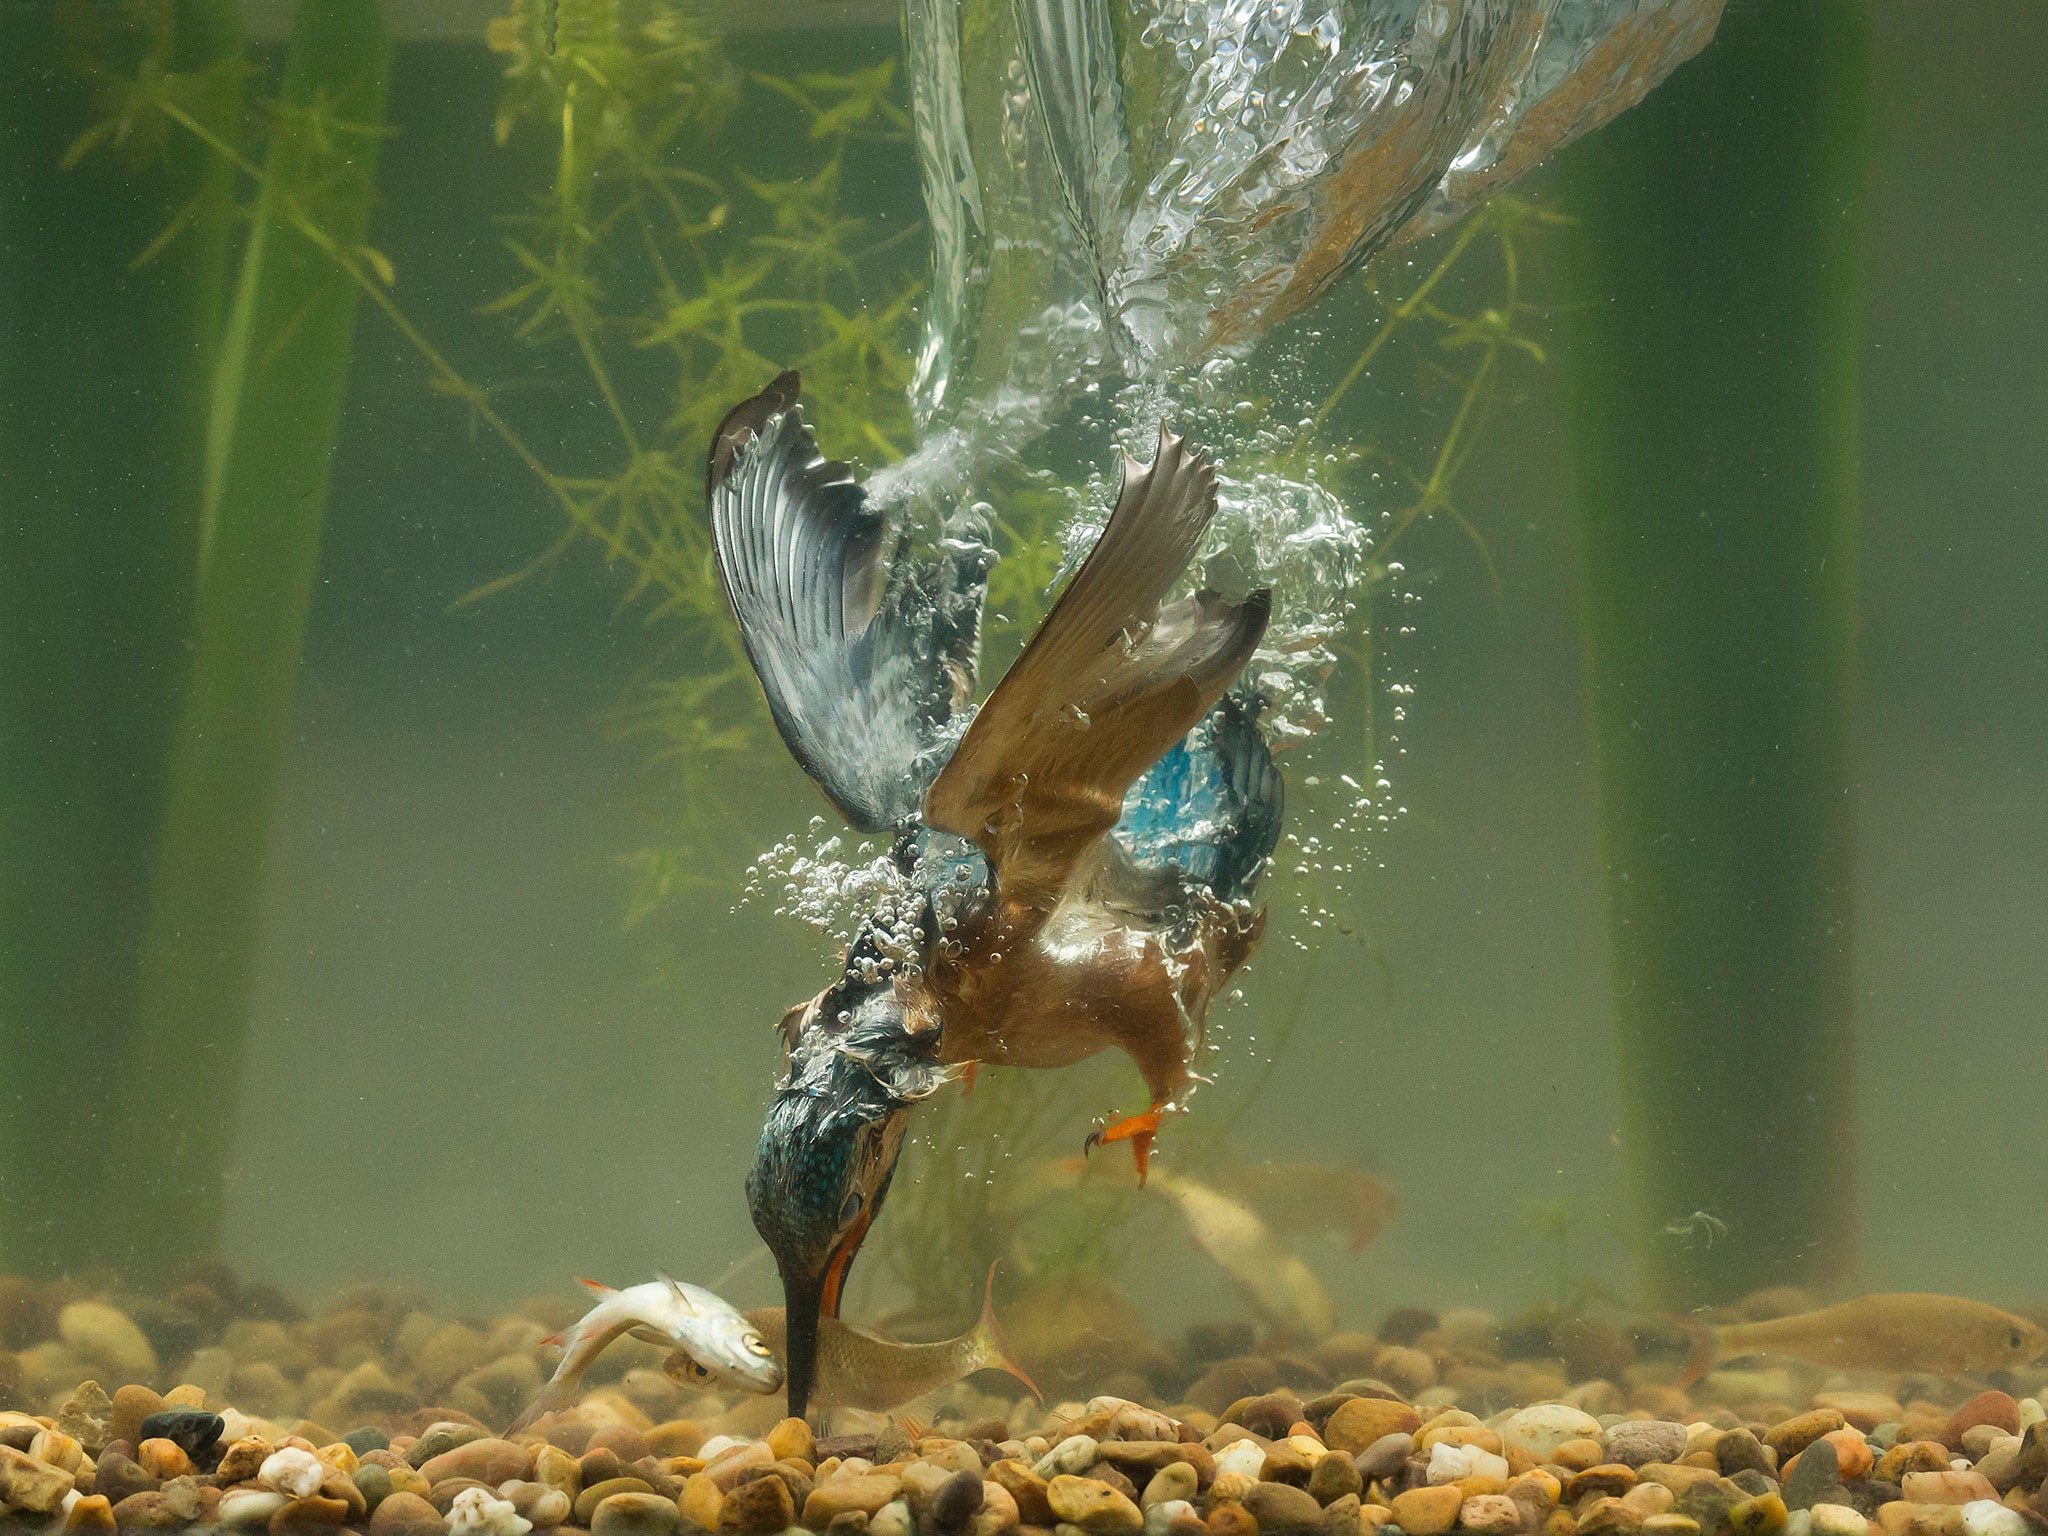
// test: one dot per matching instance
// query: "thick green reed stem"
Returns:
(107, 359)
(276, 410)
(1713, 353)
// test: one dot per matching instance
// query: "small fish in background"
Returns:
(716, 1341)
(1280, 1287)
(1896, 1331)
(859, 1369)
(1301, 1199)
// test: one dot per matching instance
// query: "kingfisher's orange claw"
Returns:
(1138, 1130)
(967, 1077)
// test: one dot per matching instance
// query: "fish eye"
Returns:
(2014, 1340)
(850, 1209)
(698, 1372)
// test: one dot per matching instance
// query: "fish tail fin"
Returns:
(1703, 1354)
(597, 1287)
(994, 1350)
(553, 1398)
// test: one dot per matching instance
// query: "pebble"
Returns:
(1333, 1477)
(1384, 1456)
(1453, 1463)
(293, 1472)
(891, 1519)
(251, 1506)
(761, 1507)
(1073, 1455)
(634, 1514)
(1636, 1442)
(1998, 1409)
(1175, 1481)
(486, 1460)
(1244, 1457)
(54, 1448)
(164, 1459)
(133, 1404)
(1946, 1487)
(406, 1514)
(836, 1495)
(1280, 1507)
(1361, 1422)
(1093, 1506)
(1428, 1511)
(107, 1337)
(1838, 1519)
(30, 1485)
(1795, 1434)
(1490, 1514)
(192, 1430)
(88, 1513)
(1988, 1517)
(1538, 1431)
(1812, 1477)
(480, 1512)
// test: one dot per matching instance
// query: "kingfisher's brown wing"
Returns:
(1109, 682)
(863, 655)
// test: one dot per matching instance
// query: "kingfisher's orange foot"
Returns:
(1138, 1130)
(967, 1077)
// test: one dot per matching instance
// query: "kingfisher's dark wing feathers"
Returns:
(1109, 683)
(862, 656)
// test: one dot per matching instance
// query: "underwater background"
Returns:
(467, 1071)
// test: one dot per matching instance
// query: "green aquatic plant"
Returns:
(275, 413)
(228, 533)
(1713, 358)
(113, 257)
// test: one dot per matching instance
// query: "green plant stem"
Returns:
(276, 411)
(103, 382)
(1713, 360)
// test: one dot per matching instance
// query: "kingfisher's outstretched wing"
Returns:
(863, 656)
(1109, 683)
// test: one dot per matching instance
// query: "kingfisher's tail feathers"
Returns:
(863, 656)
(1109, 683)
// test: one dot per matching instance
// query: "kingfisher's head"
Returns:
(822, 1167)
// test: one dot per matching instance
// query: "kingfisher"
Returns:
(1076, 856)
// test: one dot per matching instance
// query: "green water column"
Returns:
(276, 412)
(107, 343)
(1712, 354)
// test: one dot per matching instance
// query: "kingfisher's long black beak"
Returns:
(801, 1295)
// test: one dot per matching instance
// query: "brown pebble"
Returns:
(1998, 1409)
(1360, 1422)
(313, 1514)
(792, 1438)
(164, 1459)
(700, 1502)
(1231, 1519)
(1333, 1477)
(406, 1514)
(1281, 1507)
(90, 1513)
(1427, 1511)
(1609, 1479)
(133, 1404)
(594, 1494)
(1911, 1456)
(1795, 1434)
(1578, 1455)
(623, 1439)
(761, 1507)
(1027, 1488)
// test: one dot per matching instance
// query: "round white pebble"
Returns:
(1988, 1517)
(1242, 1456)
(292, 1472)
(479, 1512)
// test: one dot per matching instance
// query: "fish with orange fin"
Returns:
(716, 1343)
(859, 1369)
(1894, 1331)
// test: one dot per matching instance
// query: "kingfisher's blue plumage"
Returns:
(1077, 856)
